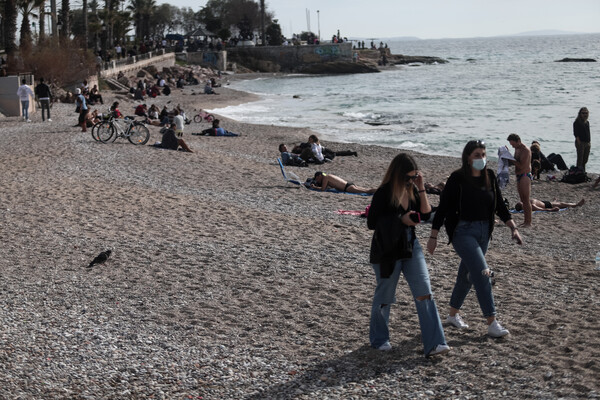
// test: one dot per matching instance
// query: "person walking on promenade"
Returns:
(393, 215)
(581, 131)
(468, 205)
(524, 177)
(44, 95)
(25, 93)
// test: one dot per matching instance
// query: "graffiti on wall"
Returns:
(210, 58)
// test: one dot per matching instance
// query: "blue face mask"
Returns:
(479, 163)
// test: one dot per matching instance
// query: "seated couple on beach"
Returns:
(322, 181)
(291, 159)
(542, 205)
(171, 141)
(314, 152)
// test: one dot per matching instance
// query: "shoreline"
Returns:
(226, 282)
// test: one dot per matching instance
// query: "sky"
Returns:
(429, 19)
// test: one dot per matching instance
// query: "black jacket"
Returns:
(390, 239)
(448, 211)
(42, 90)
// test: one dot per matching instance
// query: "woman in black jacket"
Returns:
(397, 207)
(468, 205)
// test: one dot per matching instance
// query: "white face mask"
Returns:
(479, 163)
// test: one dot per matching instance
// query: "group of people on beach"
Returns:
(469, 203)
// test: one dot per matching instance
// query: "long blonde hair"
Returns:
(395, 175)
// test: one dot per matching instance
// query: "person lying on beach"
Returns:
(290, 159)
(172, 142)
(542, 205)
(216, 130)
(322, 181)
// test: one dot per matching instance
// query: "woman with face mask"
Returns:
(468, 205)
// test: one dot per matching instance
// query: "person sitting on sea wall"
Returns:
(290, 159)
(322, 181)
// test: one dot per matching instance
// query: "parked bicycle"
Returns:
(203, 116)
(111, 129)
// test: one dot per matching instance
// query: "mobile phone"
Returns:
(415, 217)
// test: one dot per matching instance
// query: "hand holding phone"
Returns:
(415, 217)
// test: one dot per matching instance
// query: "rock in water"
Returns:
(100, 258)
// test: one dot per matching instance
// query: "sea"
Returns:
(489, 88)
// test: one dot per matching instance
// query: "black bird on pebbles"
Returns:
(100, 258)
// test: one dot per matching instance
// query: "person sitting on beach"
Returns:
(208, 88)
(180, 83)
(92, 118)
(172, 142)
(213, 83)
(290, 159)
(115, 110)
(322, 181)
(141, 110)
(95, 95)
(545, 163)
(153, 112)
(313, 151)
(216, 130)
(542, 205)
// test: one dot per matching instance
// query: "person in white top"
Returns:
(24, 92)
(179, 122)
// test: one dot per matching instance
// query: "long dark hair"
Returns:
(579, 117)
(395, 175)
(470, 147)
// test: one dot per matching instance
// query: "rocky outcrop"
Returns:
(338, 67)
(576, 60)
(399, 59)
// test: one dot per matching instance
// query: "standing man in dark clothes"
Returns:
(44, 95)
(581, 131)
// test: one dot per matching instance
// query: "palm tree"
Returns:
(42, 21)
(65, 11)
(26, 8)
(142, 11)
(9, 21)
(84, 7)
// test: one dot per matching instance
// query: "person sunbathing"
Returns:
(542, 205)
(324, 181)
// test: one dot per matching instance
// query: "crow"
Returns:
(100, 258)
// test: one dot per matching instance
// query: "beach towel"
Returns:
(513, 211)
(503, 174)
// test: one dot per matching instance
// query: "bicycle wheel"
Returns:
(105, 131)
(95, 131)
(197, 118)
(138, 133)
(210, 118)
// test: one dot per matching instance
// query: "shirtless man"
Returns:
(523, 171)
(326, 181)
(542, 205)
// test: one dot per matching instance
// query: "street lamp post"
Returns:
(319, 25)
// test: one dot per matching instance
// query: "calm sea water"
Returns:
(491, 87)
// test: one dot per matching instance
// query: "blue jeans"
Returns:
(416, 274)
(25, 108)
(470, 241)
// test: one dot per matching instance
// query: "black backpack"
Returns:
(575, 175)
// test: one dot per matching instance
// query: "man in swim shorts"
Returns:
(522, 165)
(324, 181)
(543, 205)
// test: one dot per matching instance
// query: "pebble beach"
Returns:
(226, 282)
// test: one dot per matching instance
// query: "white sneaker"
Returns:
(457, 321)
(28, 120)
(385, 347)
(439, 350)
(49, 120)
(496, 330)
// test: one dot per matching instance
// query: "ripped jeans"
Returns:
(417, 276)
